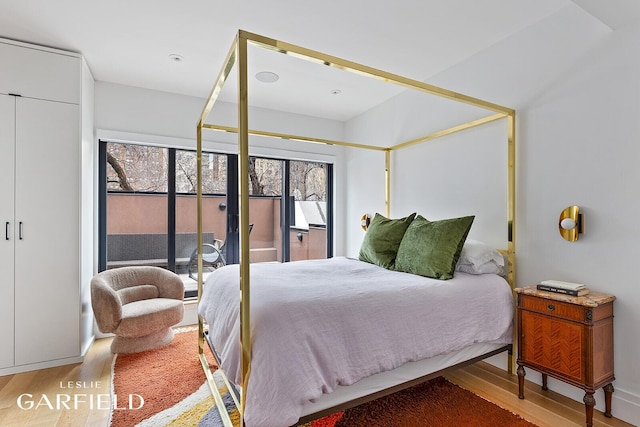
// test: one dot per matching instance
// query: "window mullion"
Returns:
(329, 212)
(286, 207)
(171, 210)
(102, 206)
(233, 210)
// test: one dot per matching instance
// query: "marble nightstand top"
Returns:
(592, 299)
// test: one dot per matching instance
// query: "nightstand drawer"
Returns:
(549, 307)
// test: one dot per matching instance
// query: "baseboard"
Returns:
(87, 346)
(190, 313)
(625, 405)
(41, 365)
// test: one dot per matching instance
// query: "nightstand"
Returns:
(568, 338)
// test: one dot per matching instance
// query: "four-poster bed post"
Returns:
(238, 55)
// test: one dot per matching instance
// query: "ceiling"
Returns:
(130, 42)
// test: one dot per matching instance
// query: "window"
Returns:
(136, 168)
(308, 194)
(148, 208)
(265, 207)
(137, 187)
(214, 200)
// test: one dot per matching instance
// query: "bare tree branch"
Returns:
(256, 186)
(122, 176)
(189, 176)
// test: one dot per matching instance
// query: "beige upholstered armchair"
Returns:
(139, 305)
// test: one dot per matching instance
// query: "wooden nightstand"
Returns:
(568, 338)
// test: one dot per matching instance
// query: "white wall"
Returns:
(137, 110)
(585, 131)
(148, 116)
(575, 86)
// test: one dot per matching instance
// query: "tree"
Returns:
(257, 188)
(214, 172)
(308, 180)
(145, 168)
(120, 173)
(137, 168)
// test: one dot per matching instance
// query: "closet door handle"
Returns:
(6, 230)
(20, 230)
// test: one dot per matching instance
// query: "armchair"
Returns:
(138, 304)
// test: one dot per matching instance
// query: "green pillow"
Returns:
(383, 237)
(432, 248)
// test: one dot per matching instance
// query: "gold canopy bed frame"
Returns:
(238, 55)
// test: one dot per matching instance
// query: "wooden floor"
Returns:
(544, 408)
(95, 372)
(94, 377)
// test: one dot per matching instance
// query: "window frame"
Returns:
(232, 234)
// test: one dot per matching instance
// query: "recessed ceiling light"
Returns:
(336, 92)
(175, 57)
(267, 77)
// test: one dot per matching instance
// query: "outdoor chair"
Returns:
(213, 256)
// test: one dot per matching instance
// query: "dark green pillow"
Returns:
(383, 237)
(432, 248)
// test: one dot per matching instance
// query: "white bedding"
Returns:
(322, 323)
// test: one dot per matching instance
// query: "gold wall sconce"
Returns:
(365, 221)
(571, 223)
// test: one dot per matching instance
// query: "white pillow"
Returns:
(479, 258)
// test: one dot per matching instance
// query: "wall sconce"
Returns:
(299, 236)
(222, 206)
(571, 223)
(365, 221)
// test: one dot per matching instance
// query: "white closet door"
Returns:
(7, 238)
(47, 285)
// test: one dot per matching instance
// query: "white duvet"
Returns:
(320, 323)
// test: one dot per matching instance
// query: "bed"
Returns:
(324, 323)
(235, 320)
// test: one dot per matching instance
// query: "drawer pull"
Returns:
(551, 307)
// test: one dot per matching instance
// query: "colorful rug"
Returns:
(171, 383)
(436, 403)
(161, 387)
